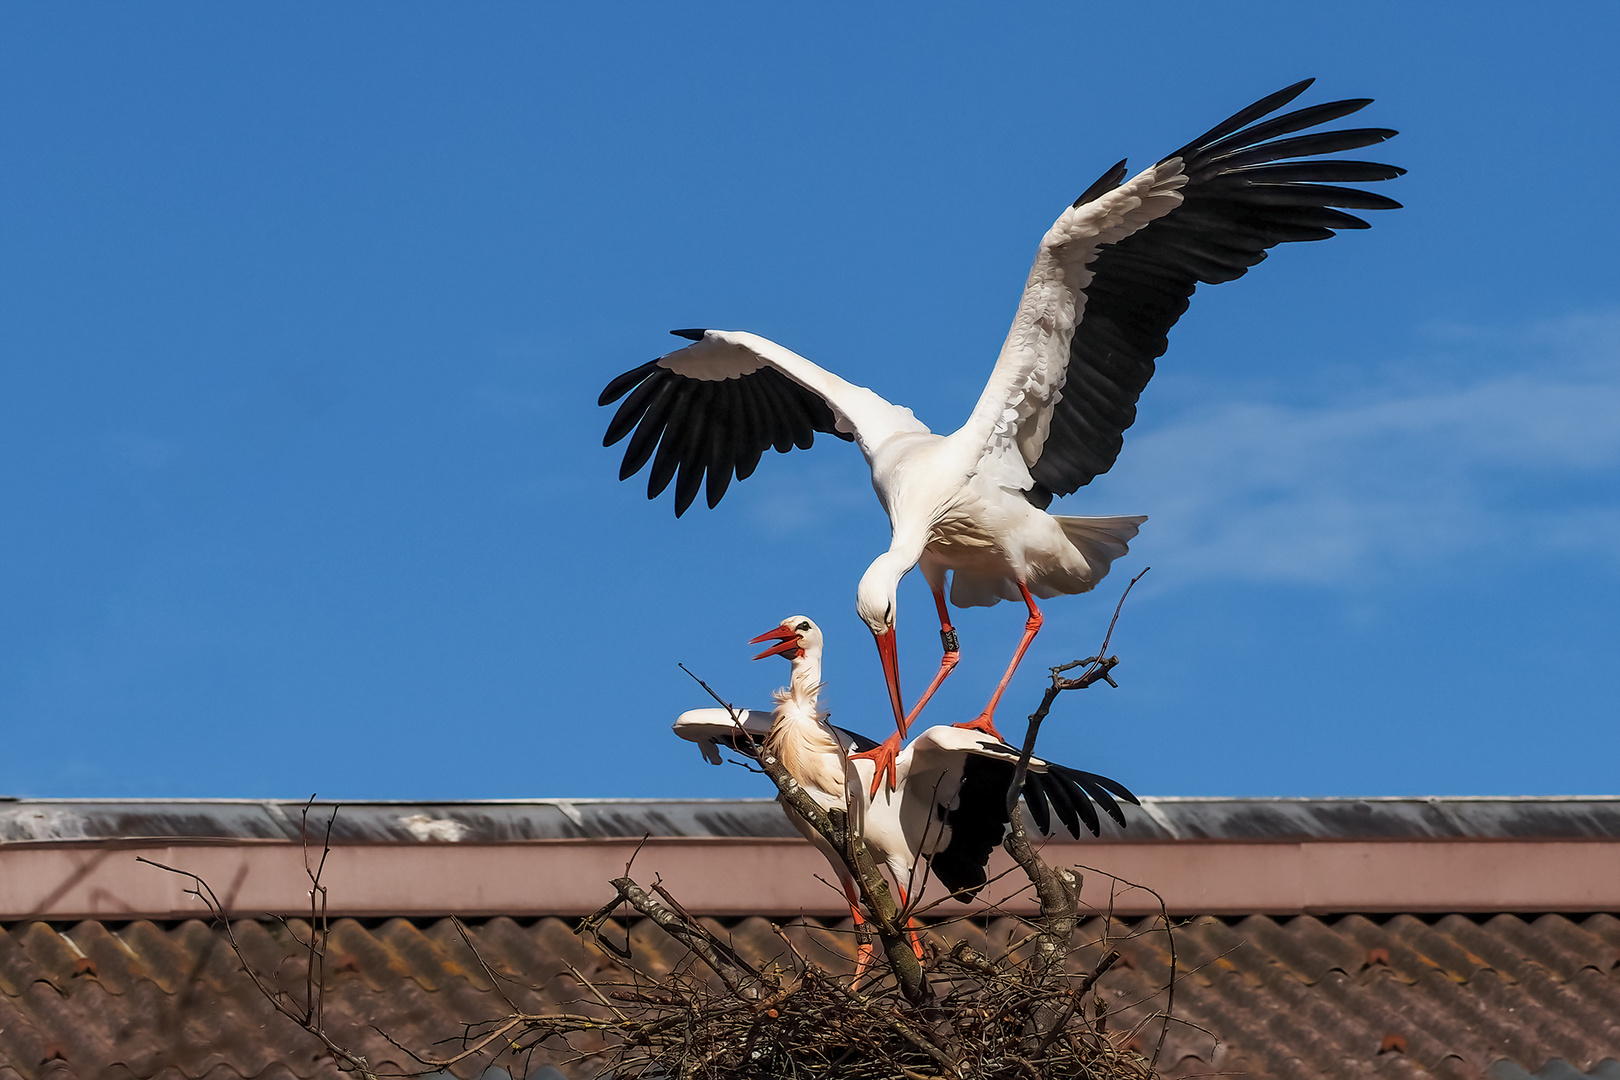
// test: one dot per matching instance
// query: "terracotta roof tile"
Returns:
(1302, 997)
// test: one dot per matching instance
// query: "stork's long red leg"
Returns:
(905, 902)
(864, 951)
(1032, 626)
(947, 663)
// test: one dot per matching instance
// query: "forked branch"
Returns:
(1098, 669)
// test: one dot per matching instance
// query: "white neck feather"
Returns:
(801, 739)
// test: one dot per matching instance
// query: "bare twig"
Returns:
(315, 970)
(347, 1059)
(1098, 669)
(494, 979)
(680, 926)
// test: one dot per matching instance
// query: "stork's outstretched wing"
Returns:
(1116, 271)
(713, 728)
(717, 405)
(1048, 786)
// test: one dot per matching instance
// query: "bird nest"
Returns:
(718, 1017)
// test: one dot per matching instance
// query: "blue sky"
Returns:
(304, 310)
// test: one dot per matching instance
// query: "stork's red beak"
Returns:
(888, 652)
(788, 645)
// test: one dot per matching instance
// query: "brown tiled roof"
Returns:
(1304, 997)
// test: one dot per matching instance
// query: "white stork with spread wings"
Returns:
(949, 801)
(1111, 277)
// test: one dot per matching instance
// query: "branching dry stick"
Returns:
(315, 970)
(346, 1059)
(1059, 894)
(1079, 994)
(728, 967)
(833, 827)
(1098, 670)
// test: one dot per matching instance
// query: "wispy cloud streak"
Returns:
(1517, 459)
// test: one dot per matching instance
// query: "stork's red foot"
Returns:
(863, 962)
(882, 756)
(983, 723)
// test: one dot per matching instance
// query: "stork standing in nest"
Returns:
(948, 805)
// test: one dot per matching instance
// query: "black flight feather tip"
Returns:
(691, 335)
(1105, 183)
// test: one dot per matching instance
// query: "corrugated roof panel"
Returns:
(1304, 997)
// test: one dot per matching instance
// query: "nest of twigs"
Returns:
(986, 1017)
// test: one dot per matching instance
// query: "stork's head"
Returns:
(796, 637)
(874, 596)
(874, 603)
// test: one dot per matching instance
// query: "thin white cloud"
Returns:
(1516, 458)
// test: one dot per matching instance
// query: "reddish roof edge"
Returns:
(779, 877)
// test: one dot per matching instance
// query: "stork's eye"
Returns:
(803, 626)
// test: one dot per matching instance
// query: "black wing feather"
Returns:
(1063, 807)
(1062, 781)
(1082, 782)
(692, 429)
(861, 742)
(1105, 183)
(1241, 199)
(1114, 786)
(1287, 124)
(754, 437)
(645, 440)
(688, 453)
(1035, 799)
(1268, 104)
(978, 825)
(722, 441)
(634, 406)
(615, 389)
(668, 459)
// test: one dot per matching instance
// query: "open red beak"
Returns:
(787, 645)
(888, 652)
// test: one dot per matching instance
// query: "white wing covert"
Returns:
(1014, 411)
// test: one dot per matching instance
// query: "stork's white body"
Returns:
(900, 825)
(955, 502)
